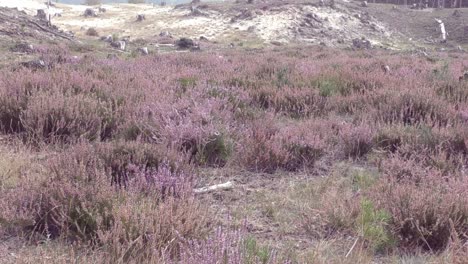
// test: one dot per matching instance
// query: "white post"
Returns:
(48, 12)
(442, 30)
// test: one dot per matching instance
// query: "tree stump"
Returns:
(140, 17)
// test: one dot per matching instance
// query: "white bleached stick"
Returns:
(223, 186)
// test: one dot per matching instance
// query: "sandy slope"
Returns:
(286, 23)
(29, 6)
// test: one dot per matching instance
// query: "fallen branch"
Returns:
(223, 186)
(351, 249)
(50, 31)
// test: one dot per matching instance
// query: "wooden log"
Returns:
(223, 186)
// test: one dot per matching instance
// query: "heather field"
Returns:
(335, 157)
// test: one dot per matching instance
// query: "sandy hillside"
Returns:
(29, 6)
(267, 22)
(225, 23)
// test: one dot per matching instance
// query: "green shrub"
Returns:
(373, 225)
(255, 253)
(92, 32)
(215, 151)
(363, 179)
(186, 83)
(330, 86)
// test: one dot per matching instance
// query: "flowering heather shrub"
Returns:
(441, 148)
(415, 139)
(122, 159)
(427, 208)
(200, 130)
(454, 92)
(267, 148)
(44, 111)
(70, 210)
(144, 124)
(330, 208)
(144, 230)
(54, 55)
(164, 180)
(345, 83)
(356, 140)
(230, 247)
(294, 102)
(415, 108)
(119, 161)
(62, 117)
(152, 215)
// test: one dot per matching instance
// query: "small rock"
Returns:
(143, 50)
(112, 56)
(203, 38)
(386, 68)
(362, 43)
(276, 43)
(121, 45)
(108, 38)
(102, 10)
(364, 4)
(196, 47)
(165, 34)
(185, 43)
(34, 64)
(23, 48)
(194, 11)
(464, 77)
(89, 12)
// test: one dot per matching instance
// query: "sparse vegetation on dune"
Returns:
(374, 160)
